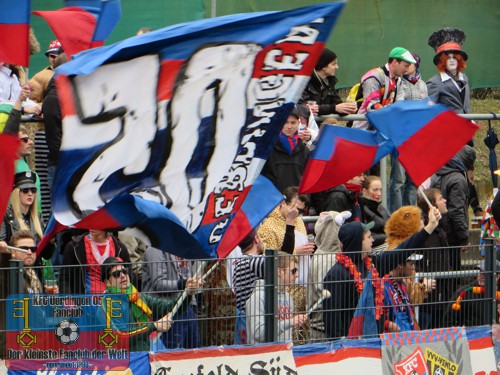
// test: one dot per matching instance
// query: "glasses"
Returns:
(30, 248)
(25, 139)
(27, 190)
(116, 274)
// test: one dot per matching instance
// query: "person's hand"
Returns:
(434, 217)
(393, 327)
(304, 249)
(164, 324)
(466, 248)
(314, 108)
(292, 213)
(430, 284)
(33, 110)
(25, 93)
(305, 134)
(193, 284)
(346, 108)
(3, 247)
(299, 320)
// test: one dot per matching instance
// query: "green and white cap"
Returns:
(402, 54)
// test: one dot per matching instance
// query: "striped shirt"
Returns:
(246, 271)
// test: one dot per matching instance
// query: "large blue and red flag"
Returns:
(340, 154)
(14, 31)
(184, 116)
(425, 136)
(83, 24)
(364, 321)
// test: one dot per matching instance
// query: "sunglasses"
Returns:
(27, 190)
(30, 248)
(116, 274)
(25, 139)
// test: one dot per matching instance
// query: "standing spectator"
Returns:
(40, 81)
(287, 161)
(452, 181)
(287, 318)
(166, 275)
(22, 213)
(81, 264)
(372, 209)
(320, 94)
(437, 259)
(402, 190)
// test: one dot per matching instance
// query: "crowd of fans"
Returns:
(355, 244)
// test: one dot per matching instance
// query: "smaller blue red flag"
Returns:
(364, 322)
(14, 31)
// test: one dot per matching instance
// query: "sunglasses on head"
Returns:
(27, 190)
(30, 248)
(116, 274)
(25, 139)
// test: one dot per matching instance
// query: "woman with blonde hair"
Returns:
(22, 213)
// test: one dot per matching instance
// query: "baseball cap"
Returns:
(414, 257)
(402, 54)
(54, 47)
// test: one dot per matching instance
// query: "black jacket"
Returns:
(53, 122)
(326, 96)
(72, 277)
(340, 199)
(373, 211)
(452, 180)
(286, 170)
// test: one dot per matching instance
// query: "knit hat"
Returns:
(447, 40)
(403, 223)
(326, 58)
(401, 53)
(468, 156)
(107, 266)
(54, 47)
(25, 180)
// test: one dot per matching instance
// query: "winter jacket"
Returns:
(373, 211)
(340, 199)
(324, 94)
(53, 122)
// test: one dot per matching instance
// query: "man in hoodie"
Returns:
(345, 280)
(451, 179)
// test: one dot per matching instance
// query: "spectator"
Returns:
(147, 314)
(166, 275)
(287, 161)
(327, 241)
(22, 213)
(81, 265)
(372, 209)
(452, 181)
(344, 198)
(402, 190)
(287, 319)
(469, 304)
(345, 282)
(40, 81)
(34, 275)
(320, 94)
(436, 259)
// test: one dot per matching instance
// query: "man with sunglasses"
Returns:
(40, 80)
(288, 272)
(147, 315)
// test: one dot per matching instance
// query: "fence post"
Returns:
(16, 280)
(271, 295)
(490, 284)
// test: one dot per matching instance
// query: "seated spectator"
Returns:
(372, 209)
(287, 318)
(81, 264)
(345, 281)
(22, 213)
(287, 161)
(469, 302)
(35, 277)
(166, 275)
(148, 315)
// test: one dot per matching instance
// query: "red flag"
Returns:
(73, 26)
(14, 31)
(8, 144)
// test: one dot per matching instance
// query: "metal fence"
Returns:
(289, 302)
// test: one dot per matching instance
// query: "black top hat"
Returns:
(25, 180)
(447, 40)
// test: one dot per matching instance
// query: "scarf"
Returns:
(412, 79)
(289, 143)
(140, 311)
(356, 210)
